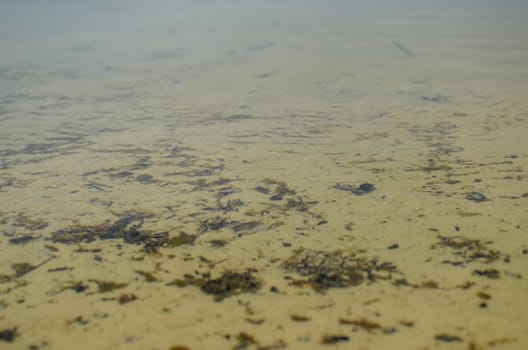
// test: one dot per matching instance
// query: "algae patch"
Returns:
(468, 249)
(228, 284)
(324, 270)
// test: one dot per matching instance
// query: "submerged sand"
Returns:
(191, 192)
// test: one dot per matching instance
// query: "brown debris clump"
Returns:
(127, 228)
(228, 284)
(325, 270)
(468, 249)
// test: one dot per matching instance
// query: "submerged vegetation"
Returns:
(229, 283)
(469, 249)
(108, 286)
(324, 270)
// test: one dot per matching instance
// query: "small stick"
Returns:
(403, 49)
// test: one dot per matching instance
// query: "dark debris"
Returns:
(325, 270)
(469, 249)
(8, 334)
(448, 338)
(361, 190)
(228, 284)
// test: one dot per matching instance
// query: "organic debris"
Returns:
(149, 276)
(334, 339)
(448, 338)
(182, 239)
(145, 179)
(22, 269)
(489, 273)
(9, 334)
(363, 323)
(22, 239)
(262, 190)
(126, 228)
(30, 224)
(218, 243)
(335, 269)
(281, 189)
(299, 318)
(179, 347)
(228, 284)
(219, 223)
(108, 286)
(78, 287)
(121, 228)
(468, 249)
(126, 298)
(244, 341)
(361, 190)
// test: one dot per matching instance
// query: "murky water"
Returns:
(263, 175)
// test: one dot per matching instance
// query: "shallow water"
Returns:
(191, 176)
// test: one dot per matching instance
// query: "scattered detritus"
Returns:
(324, 270)
(77, 287)
(362, 323)
(145, 179)
(60, 269)
(429, 285)
(228, 284)
(468, 249)
(489, 273)
(9, 334)
(126, 298)
(231, 205)
(213, 207)
(363, 189)
(219, 223)
(218, 243)
(121, 228)
(22, 239)
(298, 204)
(179, 347)
(81, 249)
(299, 318)
(484, 295)
(22, 269)
(407, 323)
(255, 321)
(448, 338)
(202, 184)
(329, 339)
(149, 276)
(262, 190)
(79, 320)
(30, 224)
(226, 191)
(281, 189)
(244, 340)
(182, 239)
(127, 228)
(108, 286)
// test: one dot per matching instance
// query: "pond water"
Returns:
(263, 174)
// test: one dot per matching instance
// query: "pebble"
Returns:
(476, 196)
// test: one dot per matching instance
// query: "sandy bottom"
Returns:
(263, 203)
